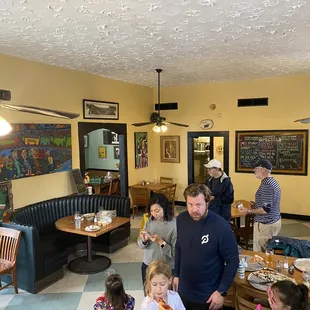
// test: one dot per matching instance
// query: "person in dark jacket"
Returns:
(222, 191)
(206, 253)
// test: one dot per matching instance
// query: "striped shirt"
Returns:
(268, 196)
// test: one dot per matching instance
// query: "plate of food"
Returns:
(302, 264)
(104, 220)
(91, 228)
(253, 263)
(264, 278)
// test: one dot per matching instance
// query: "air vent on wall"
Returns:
(167, 106)
(253, 102)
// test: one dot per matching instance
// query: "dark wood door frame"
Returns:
(121, 129)
(190, 149)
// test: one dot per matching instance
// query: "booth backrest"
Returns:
(43, 215)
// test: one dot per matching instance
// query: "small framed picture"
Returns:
(115, 139)
(102, 152)
(86, 141)
(94, 109)
(116, 152)
(170, 149)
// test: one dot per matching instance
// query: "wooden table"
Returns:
(152, 186)
(90, 263)
(244, 282)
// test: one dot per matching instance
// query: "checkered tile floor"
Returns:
(80, 291)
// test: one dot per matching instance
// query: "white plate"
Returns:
(92, 228)
(258, 282)
(252, 266)
(302, 264)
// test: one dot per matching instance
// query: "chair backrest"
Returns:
(140, 196)
(169, 192)
(9, 243)
(114, 184)
(166, 180)
(245, 297)
(243, 304)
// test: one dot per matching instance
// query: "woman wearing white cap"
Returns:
(221, 188)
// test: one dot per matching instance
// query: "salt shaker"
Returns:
(285, 265)
(95, 220)
(291, 270)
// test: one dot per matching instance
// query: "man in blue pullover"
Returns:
(206, 253)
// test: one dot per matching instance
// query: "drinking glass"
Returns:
(269, 256)
(77, 222)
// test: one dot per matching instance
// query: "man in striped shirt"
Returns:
(266, 208)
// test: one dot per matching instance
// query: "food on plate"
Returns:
(270, 276)
(256, 259)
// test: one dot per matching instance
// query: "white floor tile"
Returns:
(71, 283)
(88, 300)
(4, 300)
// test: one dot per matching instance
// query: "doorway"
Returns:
(84, 128)
(202, 147)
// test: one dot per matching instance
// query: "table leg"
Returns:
(89, 264)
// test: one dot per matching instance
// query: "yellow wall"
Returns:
(36, 84)
(289, 99)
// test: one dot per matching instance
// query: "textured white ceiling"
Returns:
(194, 41)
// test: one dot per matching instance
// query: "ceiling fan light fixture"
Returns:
(163, 128)
(5, 127)
(156, 128)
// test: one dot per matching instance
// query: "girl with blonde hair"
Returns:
(157, 287)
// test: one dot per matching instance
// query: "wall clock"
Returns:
(206, 124)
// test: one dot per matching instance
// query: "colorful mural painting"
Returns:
(141, 149)
(35, 149)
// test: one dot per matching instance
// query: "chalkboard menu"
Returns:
(78, 182)
(287, 150)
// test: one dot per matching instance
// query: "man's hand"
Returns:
(212, 198)
(244, 210)
(216, 301)
(175, 284)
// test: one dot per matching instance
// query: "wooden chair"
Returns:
(114, 187)
(245, 298)
(166, 180)
(245, 233)
(169, 192)
(9, 245)
(111, 188)
(140, 197)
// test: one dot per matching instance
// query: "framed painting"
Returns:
(116, 152)
(86, 141)
(170, 149)
(35, 149)
(94, 109)
(141, 150)
(6, 198)
(102, 152)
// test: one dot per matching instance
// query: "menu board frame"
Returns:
(277, 133)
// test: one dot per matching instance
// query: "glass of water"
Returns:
(77, 220)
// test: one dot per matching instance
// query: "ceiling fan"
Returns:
(303, 120)
(156, 118)
(5, 127)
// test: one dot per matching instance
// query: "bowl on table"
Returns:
(89, 217)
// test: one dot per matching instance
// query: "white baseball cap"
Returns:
(213, 163)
